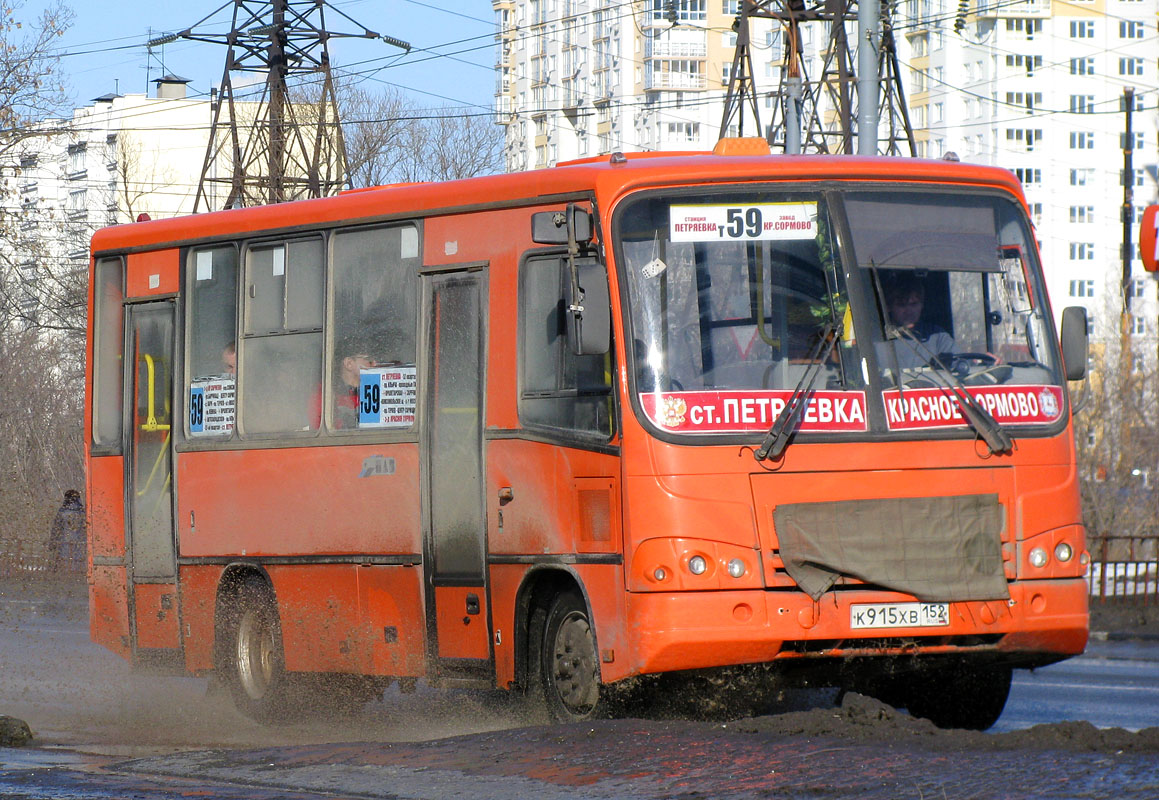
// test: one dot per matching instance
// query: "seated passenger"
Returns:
(905, 298)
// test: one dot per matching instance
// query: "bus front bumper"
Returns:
(1042, 621)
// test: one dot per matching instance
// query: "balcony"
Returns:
(675, 80)
(1000, 9)
(656, 48)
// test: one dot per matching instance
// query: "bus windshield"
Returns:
(730, 291)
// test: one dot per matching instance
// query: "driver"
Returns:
(905, 298)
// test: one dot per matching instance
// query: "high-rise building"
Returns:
(1036, 86)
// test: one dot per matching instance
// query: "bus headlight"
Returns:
(697, 565)
(1063, 552)
(1038, 557)
(736, 568)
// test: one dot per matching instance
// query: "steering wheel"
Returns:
(994, 371)
(983, 358)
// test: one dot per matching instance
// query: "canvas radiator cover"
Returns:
(938, 549)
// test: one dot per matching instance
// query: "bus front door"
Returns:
(455, 546)
(149, 485)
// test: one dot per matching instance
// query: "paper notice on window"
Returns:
(387, 397)
(204, 265)
(211, 406)
(742, 223)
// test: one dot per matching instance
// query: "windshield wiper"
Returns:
(783, 426)
(991, 431)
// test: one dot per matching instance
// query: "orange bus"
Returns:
(715, 415)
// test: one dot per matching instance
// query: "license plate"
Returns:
(899, 615)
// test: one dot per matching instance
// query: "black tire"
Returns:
(962, 697)
(567, 674)
(250, 657)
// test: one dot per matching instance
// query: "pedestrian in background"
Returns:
(66, 541)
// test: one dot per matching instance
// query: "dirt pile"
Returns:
(863, 718)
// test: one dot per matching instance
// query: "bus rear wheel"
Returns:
(252, 661)
(969, 697)
(568, 668)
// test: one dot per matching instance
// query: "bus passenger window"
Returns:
(558, 388)
(109, 333)
(375, 320)
(280, 363)
(211, 317)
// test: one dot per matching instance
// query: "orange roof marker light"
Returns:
(1148, 241)
(741, 146)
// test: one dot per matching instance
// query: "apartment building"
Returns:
(1035, 86)
(116, 158)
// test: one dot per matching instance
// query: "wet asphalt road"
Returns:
(105, 733)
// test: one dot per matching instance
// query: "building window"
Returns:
(1082, 29)
(1082, 251)
(1027, 136)
(678, 12)
(1136, 140)
(1129, 29)
(1138, 325)
(1082, 214)
(684, 131)
(1029, 100)
(1138, 177)
(1082, 66)
(1084, 176)
(1137, 288)
(1082, 103)
(1082, 288)
(1031, 63)
(1082, 140)
(1028, 175)
(76, 159)
(1130, 66)
(1138, 102)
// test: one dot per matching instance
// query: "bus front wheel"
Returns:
(568, 668)
(963, 697)
(253, 663)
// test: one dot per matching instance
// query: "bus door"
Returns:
(149, 482)
(455, 544)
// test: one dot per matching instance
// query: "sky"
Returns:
(451, 61)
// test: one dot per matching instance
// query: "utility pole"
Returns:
(741, 89)
(284, 141)
(828, 112)
(1126, 352)
(868, 75)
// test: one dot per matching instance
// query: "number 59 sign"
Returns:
(722, 222)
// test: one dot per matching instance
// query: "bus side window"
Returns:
(109, 333)
(211, 317)
(558, 388)
(280, 363)
(375, 321)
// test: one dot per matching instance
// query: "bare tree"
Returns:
(140, 177)
(391, 139)
(41, 290)
(374, 126)
(1118, 448)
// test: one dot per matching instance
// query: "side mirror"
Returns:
(589, 316)
(1074, 339)
(551, 227)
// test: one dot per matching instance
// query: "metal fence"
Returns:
(20, 559)
(1124, 569)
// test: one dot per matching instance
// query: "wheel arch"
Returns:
(539, 586)
(233, 577)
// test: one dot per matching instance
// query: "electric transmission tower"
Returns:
(282, 141)
(819, 115)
